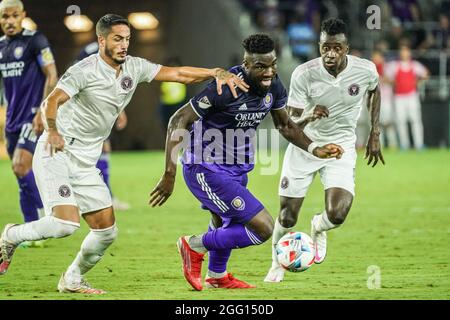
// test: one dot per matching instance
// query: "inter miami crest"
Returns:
(353, 90)
(284, 183)
(64, 191)
(126, 83)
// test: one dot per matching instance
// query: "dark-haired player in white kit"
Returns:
(78, 117)
(331, 87)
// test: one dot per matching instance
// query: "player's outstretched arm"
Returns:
(190, 75)
(295, 135)
(373, 148)
(177, 130)
(49, 109)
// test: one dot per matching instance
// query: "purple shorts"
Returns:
(222, 194)
(26, 139)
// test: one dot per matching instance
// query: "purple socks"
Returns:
(30, 200)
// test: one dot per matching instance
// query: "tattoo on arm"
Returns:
(51, 124)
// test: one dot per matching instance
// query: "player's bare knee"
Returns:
(337, 215)
(287, 218)
(20, 170)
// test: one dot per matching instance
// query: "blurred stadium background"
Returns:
(399, 222)
(208, 33)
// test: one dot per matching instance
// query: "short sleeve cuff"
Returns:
(193, 108)
(154, 73)
(69, 91)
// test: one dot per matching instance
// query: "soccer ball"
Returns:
(295, 251)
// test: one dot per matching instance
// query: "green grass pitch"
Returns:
(399, 223)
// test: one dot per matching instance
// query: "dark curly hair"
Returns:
(334, 26)
(258, 43)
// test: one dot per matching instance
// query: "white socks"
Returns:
(212, 274)
(322, 223)
(92, 250)
(278, 232)
(44, 228)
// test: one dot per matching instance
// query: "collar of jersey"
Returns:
(107, 67)
(347, 68)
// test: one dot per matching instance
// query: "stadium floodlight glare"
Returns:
(143, 20)
(29, 24)
(78, 23)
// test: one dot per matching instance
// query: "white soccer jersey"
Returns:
(312, 85)
(97, 97)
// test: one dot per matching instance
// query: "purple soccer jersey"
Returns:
(217, 176)
(221, 140)
(21, 59)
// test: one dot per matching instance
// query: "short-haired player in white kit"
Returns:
(78, 116)
(331, 87)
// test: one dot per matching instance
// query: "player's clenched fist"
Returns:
(327, 151)
(55, 142)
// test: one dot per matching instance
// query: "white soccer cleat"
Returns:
(120, 205)
(81, 286)
(320, 241)
(6, 250)
(275, 274)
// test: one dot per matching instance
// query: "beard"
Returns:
(109, 54)
(258, 88)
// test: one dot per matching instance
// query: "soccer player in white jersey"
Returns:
(331, 87)
(78, 116)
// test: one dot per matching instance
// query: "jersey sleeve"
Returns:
(373, 77)
(281, 99)
(148, 70)
(298, 91)
(73, 81)
(41, 49)
(419, 69)
(209, 101)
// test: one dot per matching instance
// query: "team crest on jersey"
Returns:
(238, 203)
(268, 100)
(126, 83)
(18, 52)
(284, 183)
(353, 90)
(64, 191)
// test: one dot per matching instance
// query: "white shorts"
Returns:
(63, 180)
(300, 167)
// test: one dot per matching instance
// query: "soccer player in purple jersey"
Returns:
(219, 179)
(29, 74)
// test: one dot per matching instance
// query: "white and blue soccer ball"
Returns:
(295, 251)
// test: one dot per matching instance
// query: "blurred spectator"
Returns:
(440, 37)
(302, 36)
(271, 21)
(387, 120)
(405, 10)
(396, 35)
(405, 74)
(173, 96)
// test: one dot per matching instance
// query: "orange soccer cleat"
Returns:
(192, 263)
(227, 282)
